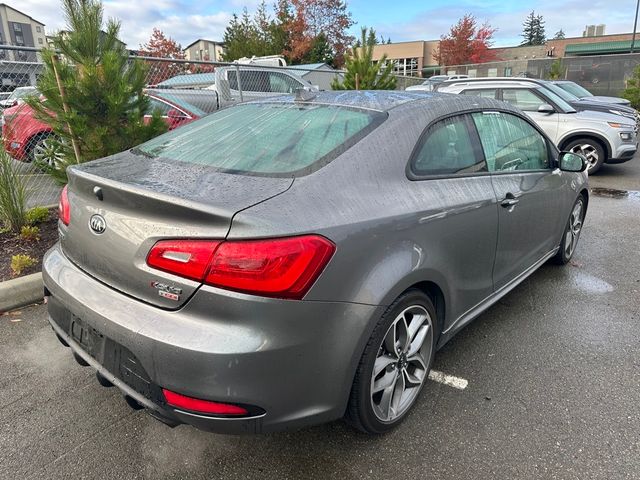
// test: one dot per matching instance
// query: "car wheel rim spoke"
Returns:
(401, 364)
(573, 230)
(587, 151)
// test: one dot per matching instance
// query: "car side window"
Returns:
(510, 143)
(485, 92)
(281, 83)
(524, 99)
(447, 148)
(162, 107)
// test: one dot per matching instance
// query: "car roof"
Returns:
(501, 80)
(398, 101)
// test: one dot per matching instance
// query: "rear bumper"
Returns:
(295, 360)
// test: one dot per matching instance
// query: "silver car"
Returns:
(296, 260)
(600, 137)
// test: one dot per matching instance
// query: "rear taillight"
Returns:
(281, 267)
(64, 211)
(186, 258)
(201, 406)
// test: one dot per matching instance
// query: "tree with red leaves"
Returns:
(312, 18)
(467, 42)
(162, 47)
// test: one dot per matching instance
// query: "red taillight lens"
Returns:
(283, 268)
(186, 258)
(201, 406)
(64, 211)
(280, 267)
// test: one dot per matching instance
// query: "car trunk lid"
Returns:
(143, 200)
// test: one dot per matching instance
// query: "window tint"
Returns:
(281, 83)
(524, 99)
(266, 138)
(447, 149)
(510, 143)
(162, 107)
(485, 92)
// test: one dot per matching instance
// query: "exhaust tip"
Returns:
(80, 360)
(102, 380)
(133, 403)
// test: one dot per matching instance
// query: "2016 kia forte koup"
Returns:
(295, 260)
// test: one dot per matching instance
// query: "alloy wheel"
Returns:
(573, 230)
(588, 151)
(48, 153)
(402, 362)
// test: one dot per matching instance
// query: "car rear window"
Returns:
(276, 139)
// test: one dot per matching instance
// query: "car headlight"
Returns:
(623, 114)
(626, 136)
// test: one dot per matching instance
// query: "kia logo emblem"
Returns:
(97, 224)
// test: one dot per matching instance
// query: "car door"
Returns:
(529, 101)
(457, 216)
(529, 191)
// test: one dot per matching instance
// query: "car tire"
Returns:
(572, 231)
(591, 149)
(45, 152)
(386, 385)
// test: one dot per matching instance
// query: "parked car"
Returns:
(26, 138)
(17, 95)
(599, 136)
(579, 91)
(282, 262)
(430, 83)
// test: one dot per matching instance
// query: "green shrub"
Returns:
(632, 92)
(13, 194)
(30, 233)
(37, 215)
(21, 262)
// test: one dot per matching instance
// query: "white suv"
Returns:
(430, 83)
(600, 137)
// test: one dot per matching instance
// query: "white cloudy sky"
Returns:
(187, 20)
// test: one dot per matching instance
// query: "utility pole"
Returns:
(635, 24)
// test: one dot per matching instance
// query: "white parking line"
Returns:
(450, 380)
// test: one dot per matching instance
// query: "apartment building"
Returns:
(204, 50)
(414, 59)
(19, 29)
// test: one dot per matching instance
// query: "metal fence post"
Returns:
(238, 80)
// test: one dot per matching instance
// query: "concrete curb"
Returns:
(21, 291)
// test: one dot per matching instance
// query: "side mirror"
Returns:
(546, 108)
(572, 162)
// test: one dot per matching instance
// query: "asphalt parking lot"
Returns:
(553, 391)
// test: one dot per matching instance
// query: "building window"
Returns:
(17, 27)
(492, 72)
(40, 40)
(473, 73)
(38, 29)
(406, 66)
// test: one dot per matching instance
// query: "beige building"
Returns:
(204, 50)
(410, 58)
(20, 30)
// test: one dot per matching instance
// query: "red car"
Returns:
(24, 135)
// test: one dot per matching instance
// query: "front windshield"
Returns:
(575, 89)
(558, 100)
(19, 93)
(565, 95)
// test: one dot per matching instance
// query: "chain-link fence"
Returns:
(183, 91)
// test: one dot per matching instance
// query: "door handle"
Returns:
(509, 201)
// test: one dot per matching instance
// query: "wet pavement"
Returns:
(553, 391)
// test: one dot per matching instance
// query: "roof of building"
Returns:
(189, 79)
(21, 12)
(203, 40)
(302, 69)
(623, 46)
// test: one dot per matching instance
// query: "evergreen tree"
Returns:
(361, 72)
(102, 109)
(240, 37)
(321, 51)
(533, 31)
(559, 35)
(632, 92)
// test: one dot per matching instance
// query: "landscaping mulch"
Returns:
(11, 244)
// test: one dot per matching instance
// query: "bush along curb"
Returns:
(21, 291)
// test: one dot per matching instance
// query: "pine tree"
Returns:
(103, 90)
(361, 72)
(559, 35)
(321, 51)
(533, 30)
